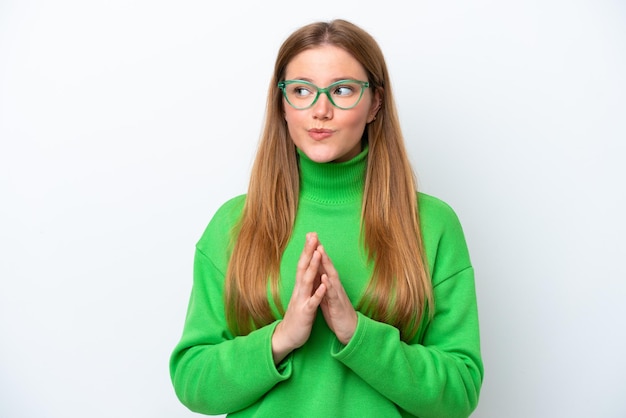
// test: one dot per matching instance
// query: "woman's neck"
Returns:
(333, 183)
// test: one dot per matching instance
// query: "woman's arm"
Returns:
(439, 377)
(212, 371)
(439, 372)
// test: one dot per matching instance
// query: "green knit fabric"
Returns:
(438, 374)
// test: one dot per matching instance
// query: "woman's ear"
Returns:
(377, 102)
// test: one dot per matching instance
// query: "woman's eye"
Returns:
(301, 91)
(344, 91)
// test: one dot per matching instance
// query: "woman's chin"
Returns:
(320, 156)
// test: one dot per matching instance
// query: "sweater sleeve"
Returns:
(439, 373)
(213, 372)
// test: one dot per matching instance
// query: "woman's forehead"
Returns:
(324, 63)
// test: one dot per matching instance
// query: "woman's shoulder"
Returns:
(223, 221)
(439, 222)
(434, 209)
(232, 206)
(443, 237)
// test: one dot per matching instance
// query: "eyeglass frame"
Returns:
(326, 90)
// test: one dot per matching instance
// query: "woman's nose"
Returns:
(323, 108)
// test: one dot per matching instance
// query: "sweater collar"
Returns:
(332, 183)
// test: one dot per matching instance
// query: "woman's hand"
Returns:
(336, 306)
(295, 328)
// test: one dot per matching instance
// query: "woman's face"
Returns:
(323, 132)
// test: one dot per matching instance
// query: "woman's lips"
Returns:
(320, 134)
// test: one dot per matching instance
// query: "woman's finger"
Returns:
(327, 264)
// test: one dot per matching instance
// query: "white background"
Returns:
(125, 124)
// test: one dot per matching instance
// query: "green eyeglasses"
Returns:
(343, 94)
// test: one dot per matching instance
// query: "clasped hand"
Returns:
(317, 285)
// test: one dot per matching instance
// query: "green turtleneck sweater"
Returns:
(438, 374)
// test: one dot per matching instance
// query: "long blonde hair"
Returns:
(400, 290)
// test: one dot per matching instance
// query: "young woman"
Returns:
(332, 288)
